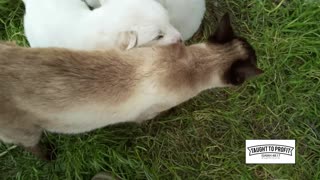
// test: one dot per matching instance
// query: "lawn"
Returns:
(205, 137)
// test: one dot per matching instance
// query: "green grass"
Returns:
(205, 137)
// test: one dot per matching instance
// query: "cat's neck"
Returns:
(188, 69)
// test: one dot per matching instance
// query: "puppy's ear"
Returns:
(240, 71)
(127, 40)
(224, 32)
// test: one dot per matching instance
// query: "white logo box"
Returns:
(270, 151)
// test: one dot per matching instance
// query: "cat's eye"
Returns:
(160, 36)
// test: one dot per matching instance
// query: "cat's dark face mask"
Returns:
(243, 65)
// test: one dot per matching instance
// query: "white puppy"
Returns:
(185, 15)
(70, 24)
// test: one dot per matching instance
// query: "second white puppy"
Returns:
(70, 24)
(185, 15)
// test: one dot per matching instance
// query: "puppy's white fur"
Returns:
(185, 15)
(70, 24)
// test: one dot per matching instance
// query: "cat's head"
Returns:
(224, 60)
(233, 56)
(240, 56)
(147, 19)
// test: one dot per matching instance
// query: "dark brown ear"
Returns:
(224, 32)
(240, 71)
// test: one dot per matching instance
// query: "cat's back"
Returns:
(53, 76)
(65, 87)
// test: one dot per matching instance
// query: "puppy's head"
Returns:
(237, 58)
(148, 19)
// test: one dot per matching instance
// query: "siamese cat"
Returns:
(70, 24)
(70, 92)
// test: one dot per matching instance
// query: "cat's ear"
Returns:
(224, 32)
(240, 71)
(127, 40)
